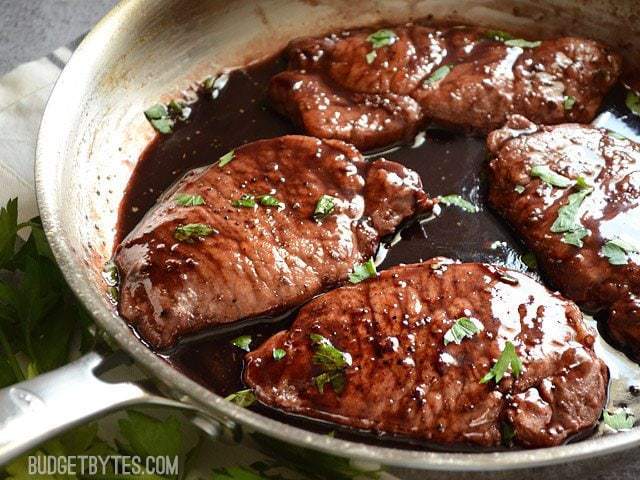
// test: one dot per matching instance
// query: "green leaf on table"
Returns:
(147, 436)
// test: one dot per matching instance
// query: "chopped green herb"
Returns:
(568, 102)
(188, 200)
(110, 273)
(362, 271)
(568, 219)
(462, 328)
(621, 420)
(371, 57)
(156, 112)
(243, 342)
(382, 38)
(158, 116)
(278, 354)
(207, 84)
(508, 358)
(331, 360)
(498, 35)
(187, 233)
(519, 42)
(617, 251)
(270, 201)
(438, 74)
(324, 207)
(226, 158)
(616, 135)
(519, 189)
(549, 176)
(245, 201)
(242, 398)
(575, 237)
(458, 201)
(179, 109)
(581, 183)
(633, 102)
(529, 259)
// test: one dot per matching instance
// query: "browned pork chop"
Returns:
(405, 373)
(592, 253)
(240, 240)
(372, 88)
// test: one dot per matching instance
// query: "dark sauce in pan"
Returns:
(448, 162)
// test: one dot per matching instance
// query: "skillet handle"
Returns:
(38, 409)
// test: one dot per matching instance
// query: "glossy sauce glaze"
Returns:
(449, 162)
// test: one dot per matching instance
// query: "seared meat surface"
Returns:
(403, 375)
(374, 88)
(592, 255)
(239, 239)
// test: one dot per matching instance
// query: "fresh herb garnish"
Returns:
(621, 420)
(462, 328)
(226, 158)
(188, 200)
(179, 109)
(331, 360)
(519, 189)
(362, 271)
(242, 398)
(382, 38)
(158, 116)
(187, 233)
(616, 135)
(438, 74)
(568, 102)
(278, 354)
(508, 358)
(617, 251)
(529, 259)
(324, 207)
(498, 35)
(270, 201)
(458, 201)
(550, 177)
(633, 102)
(581, 183)
(245, 201)
(243, 342)
(521, 43)
(575, 237)
(568, 219)
(379, 39)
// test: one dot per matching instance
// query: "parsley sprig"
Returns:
(331, 360)
(508, 359)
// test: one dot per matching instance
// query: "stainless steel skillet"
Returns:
(93, 133)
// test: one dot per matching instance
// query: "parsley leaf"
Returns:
(617, 251)
(568, 220)
(633, 102)
(521, 43)
(549, 176)
(575, 237)
(158, 116)
(508, 358)
(187, 233)
(245, 201)
(226, 158)
(362, 271)
(462, 328)
(242, 398)
(149, 437)
(519, 189)
(179, 109)
(568, 102)
(243, 342)
(438, 75)
(324, 207)
(188, 200)
(498, 35)
(331, 360)
(270, 201)
(278, 354)
(382, 38)
(458, 201)
(621, 420)
(371, 57)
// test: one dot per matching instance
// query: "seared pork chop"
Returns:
(373, 88)
(445, 352)
(583, 226)
(268, 227)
